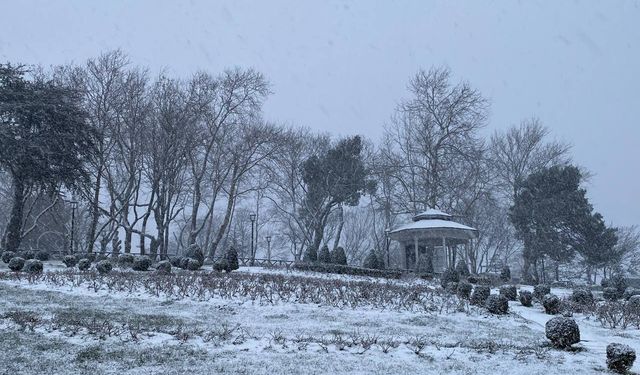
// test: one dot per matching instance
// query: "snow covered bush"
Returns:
(610, 293)
(7, 255)
(526, 298)
(70, 260)
(372, 261)
(552, 304)
(141, 263)
(462, 269)
(346, 270)
(220, 265)
(104, 267)
(630, 292)
(452, 287)
(33, 266)
(324, 256)
(473, 279)
(27, 254)
(616, 281)
(84, 264)
(195, 252)
(193, 264)
(620, 357)
(505, 274)
(464, 290)
(43, 255)
(449, 276)
(562, 332)
(16, 264)
(497, 304)
(126, 260)
(163, 267)
(310, 255)
(541, 290)
(231, 258)
(175, 261)
(510, 292)
(480, 294)
(632, 311)
(582, 297)
(184, 263)
(338, 256)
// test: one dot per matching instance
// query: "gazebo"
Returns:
(429, 243)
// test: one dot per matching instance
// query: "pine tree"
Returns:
(231, 258)
(310, 255)
(324, 256)
(371, 261)
(338, 256)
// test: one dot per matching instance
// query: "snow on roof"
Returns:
(432, 224)
(432, 214)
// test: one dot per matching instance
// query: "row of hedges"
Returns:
(346, 270)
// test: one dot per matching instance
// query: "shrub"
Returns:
(582, 297)
(347, 270)
(193, 264)
(620, 357)
(27, 254)
(33, 266)
(510, 292)
(632, 310)
(464, 290)
(562, 332)
(7, 255)
(104, 267)
(16, 264)
(195, 252)
(310, 255)
(480, 294)
(610, 293)
(449, 276)
(488, 278)
(473, 279)
(231, 258)
(541, 290)
(372, 261)
(462, 269)
(175, 261)
(126, 260)
(184, 263)
(630, 292)
(164, 267)
(221, 265)
(497, 304)
(43, 255)
(338, 256)
(91, 257)
(324, 256)
(84, 264)
(70, 260)
(141, 263)
(505, 274)
(526, 298)
(552, 304)
(452, 287)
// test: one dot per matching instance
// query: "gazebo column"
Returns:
(444, 249)
(415, 248)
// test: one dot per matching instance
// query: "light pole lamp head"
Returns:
(268, 239)
(252, 217)
(73, 204)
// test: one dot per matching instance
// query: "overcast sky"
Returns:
(341, 66)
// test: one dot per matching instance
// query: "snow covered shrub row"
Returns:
(562, 332)
(346, 270)
(619, 314)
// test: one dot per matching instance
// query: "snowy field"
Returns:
(61, 328)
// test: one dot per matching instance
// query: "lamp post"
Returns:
(252, 217)
(73, 205)
(269, 250)
(388, 243)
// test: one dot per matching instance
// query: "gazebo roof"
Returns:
(433, 224)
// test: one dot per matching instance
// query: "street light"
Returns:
(252, 217)
(73, 205)
(388, 243)
(269, 250)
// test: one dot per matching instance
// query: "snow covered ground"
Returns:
(79, 331)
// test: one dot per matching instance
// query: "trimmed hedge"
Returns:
(346, 270)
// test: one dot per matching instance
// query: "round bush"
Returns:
(184, 263)
(552, 304)
(630, 292)
(620, 357)
(610, 293)
(163, 266)
(126, 260)
(449, 276)
(480, 294)
(562, 332)
(464, 290)
(505, 274)
(16, 264)
(175, 261)
(497, 304)
(541, 290)
(70, 260)
(84, 264)
(33, 266)
(43, 255)
(221, 265)
(7, 255)
(510, 292)
(526, 298)
(452, 288)
(632, 307)
(193, 264)
(462, 269)
(104, 267)
(582, 297)
(90, 256)
(473, 279)
(141, 263)
(195, 252)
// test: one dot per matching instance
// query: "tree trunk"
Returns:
(95, 213)
(336, 242)
(227, 216)
(14, 227)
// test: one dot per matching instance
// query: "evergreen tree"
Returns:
(231, 259)
(338, 256)
(597, 243)
(324, 256)
(372, 261)
(45, 141)
(462, 268)
(310, 255)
